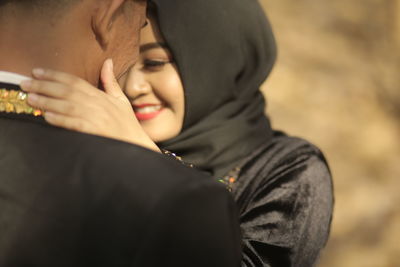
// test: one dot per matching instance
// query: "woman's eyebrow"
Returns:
(148, 46)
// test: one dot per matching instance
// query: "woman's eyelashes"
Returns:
(155, 65)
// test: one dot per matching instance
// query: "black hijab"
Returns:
(224, 50)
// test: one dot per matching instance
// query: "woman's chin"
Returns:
(162, 127)
(160, 132)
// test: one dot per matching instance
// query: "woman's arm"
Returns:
(287, 217)
(72, 103)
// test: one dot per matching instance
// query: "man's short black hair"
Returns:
(38, 3)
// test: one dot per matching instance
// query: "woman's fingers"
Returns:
(110, 83)
(67, 122)
(55, 105)
(69, 80)
(52, 89)
(58, 97)
(53, 75)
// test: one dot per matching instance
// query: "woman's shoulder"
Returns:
(283, 149)
(284, 159)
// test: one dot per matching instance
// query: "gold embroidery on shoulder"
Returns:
(13, 101)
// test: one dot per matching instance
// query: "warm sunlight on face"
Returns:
(155, 88)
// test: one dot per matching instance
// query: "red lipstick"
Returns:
(144, 112)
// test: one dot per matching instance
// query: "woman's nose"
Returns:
(136, 84)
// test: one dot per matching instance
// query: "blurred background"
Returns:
(337, 84)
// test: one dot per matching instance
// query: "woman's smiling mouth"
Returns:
(147, 111)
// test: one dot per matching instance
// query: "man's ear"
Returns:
(103, 18)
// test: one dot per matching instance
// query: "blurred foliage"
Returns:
(336, 83)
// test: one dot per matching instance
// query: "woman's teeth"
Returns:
(148, 109)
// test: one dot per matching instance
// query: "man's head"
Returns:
(38, 3)
(74, 36)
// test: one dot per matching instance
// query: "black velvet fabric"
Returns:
(285, 198)
(71, 199)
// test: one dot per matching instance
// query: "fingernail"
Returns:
(32, 98)
(26, 84)
(38, 72)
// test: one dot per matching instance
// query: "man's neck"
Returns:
(19, 55)
(24, 43)
(35, 42)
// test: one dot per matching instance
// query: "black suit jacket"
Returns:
(71, 199)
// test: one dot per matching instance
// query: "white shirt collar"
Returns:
(12, 78)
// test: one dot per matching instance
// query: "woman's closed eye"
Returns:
(154, 65)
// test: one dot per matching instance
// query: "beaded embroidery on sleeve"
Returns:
(176, 157)
(230, 178)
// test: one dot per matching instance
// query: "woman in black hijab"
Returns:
(223, 51)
